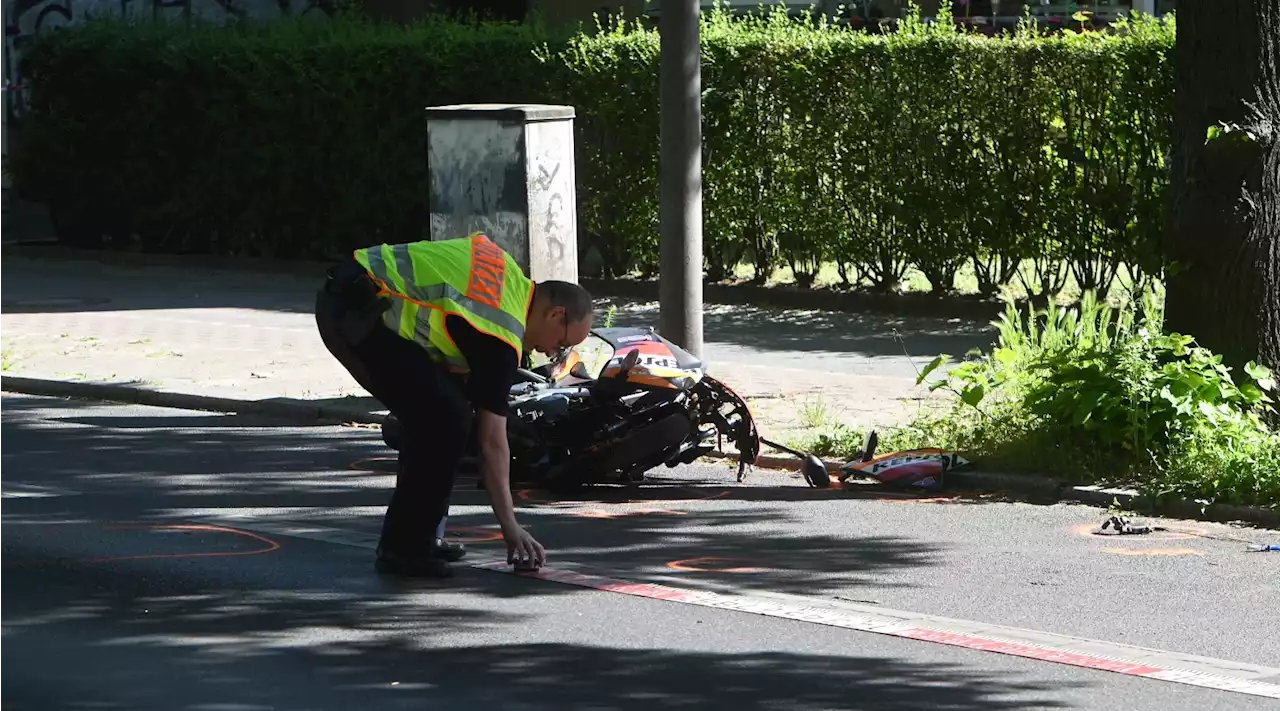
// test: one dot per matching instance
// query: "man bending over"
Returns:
(436, 332)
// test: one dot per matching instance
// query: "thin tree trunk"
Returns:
(1224, 229)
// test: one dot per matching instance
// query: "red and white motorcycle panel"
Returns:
(922, 468)
(656, 362)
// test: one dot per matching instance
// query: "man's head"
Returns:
(559, 317)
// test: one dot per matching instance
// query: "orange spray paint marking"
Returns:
(527, 495)
(908, 499)
(601, 513)
(477, 535)
(669, 512)
(270, 544)
(698, 565)
(362, 465)
(1151, 551)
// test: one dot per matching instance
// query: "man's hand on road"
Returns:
(523, 548)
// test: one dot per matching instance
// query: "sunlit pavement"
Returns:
(252, 336)
(165, 559)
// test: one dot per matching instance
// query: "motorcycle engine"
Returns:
(547, 425)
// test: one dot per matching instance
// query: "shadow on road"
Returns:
(185, 644)
(147, 467)
(54, 285)
(308, 625)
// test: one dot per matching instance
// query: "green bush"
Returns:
(298, 138)
(1096, 392)
(926, 148)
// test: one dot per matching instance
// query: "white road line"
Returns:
(1176, 667)
(25, 490)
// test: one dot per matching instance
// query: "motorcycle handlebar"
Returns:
(530, 376)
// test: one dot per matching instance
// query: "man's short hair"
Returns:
(575, 299)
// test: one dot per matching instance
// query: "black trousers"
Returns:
(428, 400)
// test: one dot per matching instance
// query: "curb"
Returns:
(286, 408)
(310, 413)
(1034, 485)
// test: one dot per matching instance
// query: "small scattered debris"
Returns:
(1123, 527)
(859, 601)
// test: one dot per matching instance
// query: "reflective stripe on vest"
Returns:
(471, 277)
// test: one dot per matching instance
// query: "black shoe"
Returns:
(428, 565)
(452, 552)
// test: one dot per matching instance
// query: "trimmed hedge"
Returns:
(297, 138)
(927, 147)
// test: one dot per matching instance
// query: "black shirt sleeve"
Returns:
(493, 365)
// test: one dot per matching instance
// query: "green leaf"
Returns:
(1210, 410)
(1083, 414)
(933, 365)
(1006, 356)
(1261, 374)
(973, 395)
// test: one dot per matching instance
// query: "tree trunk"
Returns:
(1224, 230)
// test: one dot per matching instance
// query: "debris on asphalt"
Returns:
(1123, 527)
(859, 600)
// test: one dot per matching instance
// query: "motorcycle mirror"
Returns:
(815, 472)
(628, 363)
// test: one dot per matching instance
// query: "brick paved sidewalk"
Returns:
(208, 334)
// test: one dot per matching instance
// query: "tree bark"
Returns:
(1224, 228)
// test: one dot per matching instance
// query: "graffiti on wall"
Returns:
(24, 20)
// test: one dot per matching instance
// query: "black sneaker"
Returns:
(452, 552)
(429, 565)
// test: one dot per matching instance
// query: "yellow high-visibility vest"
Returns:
(470, 276)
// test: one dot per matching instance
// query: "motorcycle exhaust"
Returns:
(814, 471)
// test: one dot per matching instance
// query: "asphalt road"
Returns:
(120, 594)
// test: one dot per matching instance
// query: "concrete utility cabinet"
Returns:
(507, 170)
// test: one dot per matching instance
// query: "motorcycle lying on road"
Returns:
(621, 403)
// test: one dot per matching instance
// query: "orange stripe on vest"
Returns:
(488, 273)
